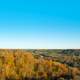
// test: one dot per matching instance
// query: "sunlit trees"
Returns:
(20, 64)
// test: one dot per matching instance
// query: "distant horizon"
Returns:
(40, 48)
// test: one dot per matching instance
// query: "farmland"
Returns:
(17, 64)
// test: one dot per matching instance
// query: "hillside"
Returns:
(37, 65)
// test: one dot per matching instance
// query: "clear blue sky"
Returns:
(39, 23)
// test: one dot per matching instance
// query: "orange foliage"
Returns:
(19, 64)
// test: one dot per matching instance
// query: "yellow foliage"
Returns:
(18, 64)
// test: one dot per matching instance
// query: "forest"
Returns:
(21, 64)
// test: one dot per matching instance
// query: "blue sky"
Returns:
(40, 24)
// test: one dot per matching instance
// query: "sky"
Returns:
(41, 24)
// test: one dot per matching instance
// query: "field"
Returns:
(41, 64)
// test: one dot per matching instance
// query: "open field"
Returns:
(39, 64)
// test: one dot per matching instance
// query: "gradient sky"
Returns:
(39, 24)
